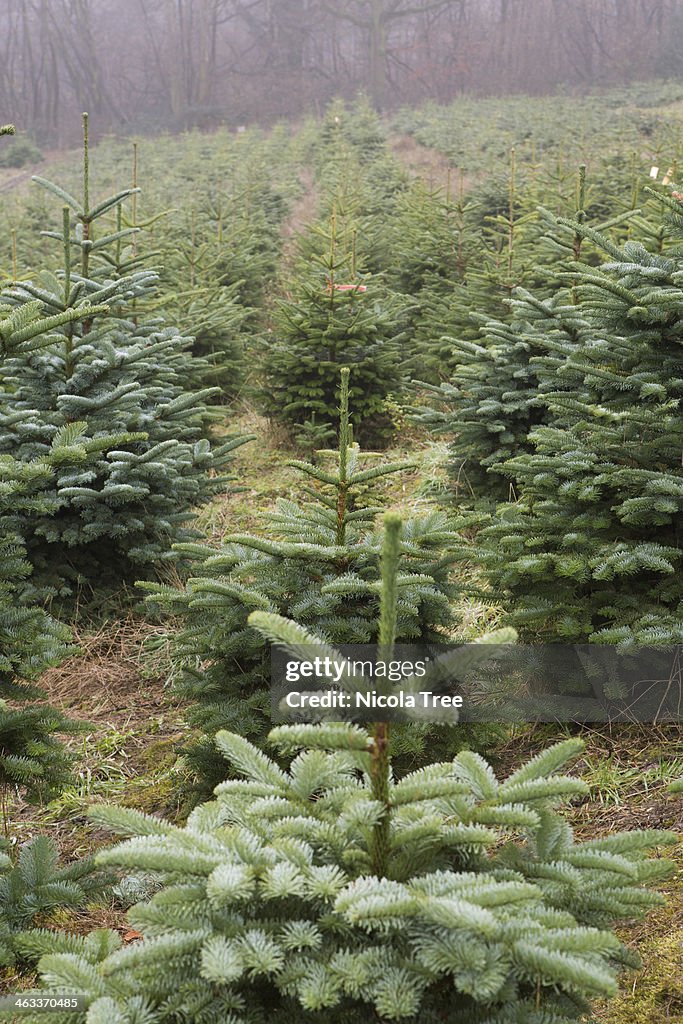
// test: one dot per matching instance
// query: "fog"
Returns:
(154, 65)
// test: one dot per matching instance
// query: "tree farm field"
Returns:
(358, 379)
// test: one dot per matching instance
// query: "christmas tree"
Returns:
(592, 550)
(332, 891)
(492, 398)
(32, 757)
(336, 317)
(216, 269)
(107, 398)
(320, 565)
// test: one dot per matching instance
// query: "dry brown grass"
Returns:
(108, 671)
(126, 748)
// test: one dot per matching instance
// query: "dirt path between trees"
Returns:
(11, 177)
(18, 179)
(302, 215)
(429, 164)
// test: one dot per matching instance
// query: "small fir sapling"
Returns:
(498, 234)
(494, 399)
(33, 885)
(331, 891)
(319, 564)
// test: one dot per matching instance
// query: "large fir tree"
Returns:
(592, 549)
(32, 758)
(112, 391)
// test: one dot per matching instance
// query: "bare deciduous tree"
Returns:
(176, 63)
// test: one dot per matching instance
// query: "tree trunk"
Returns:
(377, 54)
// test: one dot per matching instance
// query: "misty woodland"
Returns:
(138, 64)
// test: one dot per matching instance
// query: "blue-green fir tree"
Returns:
(32, 757)
(495, 249)
(112, 390)
(33, 885)
(492, 397)
(331, 891)
(592, 548)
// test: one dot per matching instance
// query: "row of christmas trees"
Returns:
(556, 331)
(343, 885)
(558, 347)
(338, 886)
(107, 454)
(397, 279)
(497, 394)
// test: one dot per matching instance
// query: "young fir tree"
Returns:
(493, 398)
(330, 891)
(359, 179)
(499, 230)
(320, 564)
(198, 304)
(219, 260)
(112, 391)
(433, 246)
(337, 317)
(593, 548)
(325, 315)
(350, 148)
(423, 238)
(246, 221)
(215, 272)
(476, 338)
(355, 127)
(425, 250)
(32, 757)
(189, 294)
(33, 885)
